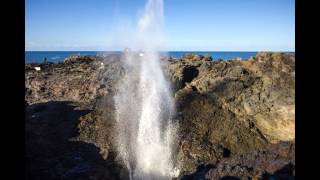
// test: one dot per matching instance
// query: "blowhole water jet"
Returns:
(144, 105)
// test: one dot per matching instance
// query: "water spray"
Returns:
(144, 105)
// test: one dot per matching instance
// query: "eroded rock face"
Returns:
(225, 110)
(276, 161)
(262, 89)
(235, 106)
(80, 80)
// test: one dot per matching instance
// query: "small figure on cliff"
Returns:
(45, 60)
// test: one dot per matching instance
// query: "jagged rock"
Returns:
(225, 109)
(276, 161)
(50, 151)
(77, 58)
(81, 81)
(261, 89)
(237, 105)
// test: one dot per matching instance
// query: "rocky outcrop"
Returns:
(58, 145)
(276, 161)
(261, 89)
(234, 106)
(80, 80)
(233, 116)
(77, 58)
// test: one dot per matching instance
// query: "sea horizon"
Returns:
(59, 56)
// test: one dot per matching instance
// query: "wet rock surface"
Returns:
(236, 118)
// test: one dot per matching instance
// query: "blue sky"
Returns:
(205, 25)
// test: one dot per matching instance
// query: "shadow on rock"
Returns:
(52, 149)
(200, 173)
(285, 173)
(229, 178)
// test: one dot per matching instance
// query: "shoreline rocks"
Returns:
(226, 111)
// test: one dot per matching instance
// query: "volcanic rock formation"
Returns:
(236, 118)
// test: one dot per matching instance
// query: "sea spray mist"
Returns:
(144, 103)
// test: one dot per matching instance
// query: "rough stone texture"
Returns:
(262, 89)
(276, 161)
(81, 80)
(226, 110)
(56, 146)
(235, 106)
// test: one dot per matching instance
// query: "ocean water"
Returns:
(59, 56)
